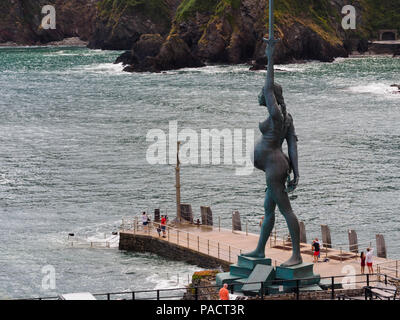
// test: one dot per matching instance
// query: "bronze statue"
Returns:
(269, 157)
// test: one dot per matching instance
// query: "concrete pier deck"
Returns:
(225, 245)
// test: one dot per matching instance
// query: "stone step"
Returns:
(315, 279)
(225, 277)
(261, 273)
(250, 262)
(300, 271)
(241, 272)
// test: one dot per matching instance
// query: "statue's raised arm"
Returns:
(269, 92)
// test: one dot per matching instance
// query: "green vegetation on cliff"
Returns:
(380, 14)
(156, 10)
(189, 8)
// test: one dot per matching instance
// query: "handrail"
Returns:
(224, 251)
(343, 252)
(134, 294)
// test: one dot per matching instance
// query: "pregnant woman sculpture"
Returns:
(269, 157)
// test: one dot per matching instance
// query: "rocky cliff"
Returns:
(168, 34)
(20, 20)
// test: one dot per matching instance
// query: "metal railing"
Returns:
(297, 287)
(278, 238)
(389, 267)
(188, 240)
(85, 242)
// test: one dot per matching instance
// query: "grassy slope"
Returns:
(156, 10)
(319, 15)
(380, 14)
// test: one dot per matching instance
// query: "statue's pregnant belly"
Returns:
(262, 150)
(267, 151)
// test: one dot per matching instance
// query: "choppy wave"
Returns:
(106, 68)
(375, 88)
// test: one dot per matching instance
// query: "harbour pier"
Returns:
(216, 247)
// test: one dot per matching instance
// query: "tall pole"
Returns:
(178, 185)
(271, 41)
(271, 19)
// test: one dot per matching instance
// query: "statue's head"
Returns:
(278, 92)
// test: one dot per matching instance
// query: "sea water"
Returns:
(73, 148)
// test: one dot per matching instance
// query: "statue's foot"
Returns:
(254, 254)
(294, 260)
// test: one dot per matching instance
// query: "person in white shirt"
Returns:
(144, 220)
(368, 260)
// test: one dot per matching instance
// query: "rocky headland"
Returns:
(159, 35)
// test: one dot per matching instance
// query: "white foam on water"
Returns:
(213, 69)
(62, 53)
(5, 180)
(112, 240)
(375, 88)
(105, 68)
(164, 281)
(290, 68)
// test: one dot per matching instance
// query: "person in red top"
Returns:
(362, 257)
(163, 225)
(224, 293)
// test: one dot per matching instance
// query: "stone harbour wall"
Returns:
(143, 243)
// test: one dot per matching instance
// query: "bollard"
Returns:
(380, 246)
(236, 223)
(206, 216)
(157, 215)
(186, 212)
(303, 235)
(326, 236)
(353, 242)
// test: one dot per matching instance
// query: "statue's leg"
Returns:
(266, 227)
(282, 199)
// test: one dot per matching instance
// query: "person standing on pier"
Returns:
(362, 257)
(144, 220)
(368, 259)
(316, 248)
(163, 225)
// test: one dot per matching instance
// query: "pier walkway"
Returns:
(226, 245)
